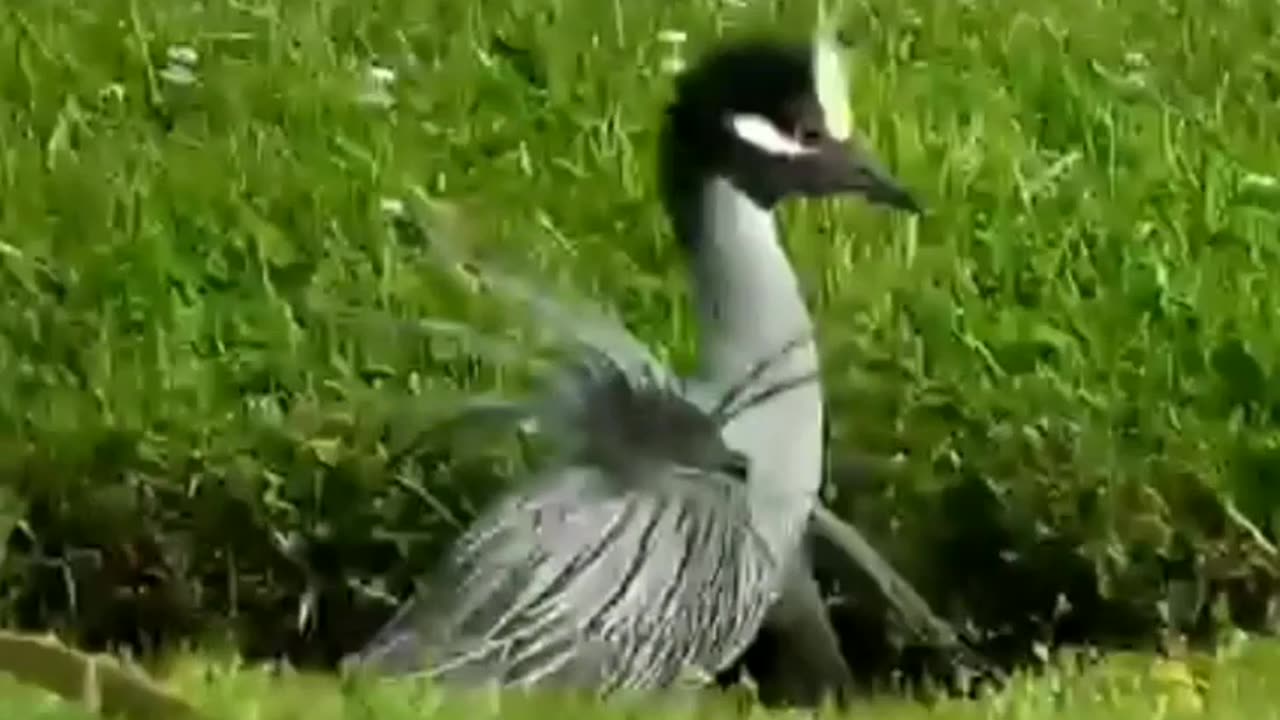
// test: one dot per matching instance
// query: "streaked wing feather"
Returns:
(583, 583)
(599, 575)
(575, 320)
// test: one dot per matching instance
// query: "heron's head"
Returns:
(774, 119)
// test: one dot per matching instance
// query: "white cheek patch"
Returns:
(762, 133)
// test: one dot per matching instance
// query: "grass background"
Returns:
(210, 354)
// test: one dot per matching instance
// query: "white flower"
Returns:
(377, 81)
(183, 55)
(672, 64)
(1135, 60)
(382, 76)
(111, 92)
(1257, 182)
(182, 61)
(672, 40)
(392, 206)
(669, 36)
(178, 75)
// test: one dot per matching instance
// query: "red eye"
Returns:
(809, 135)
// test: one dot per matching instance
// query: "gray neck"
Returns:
(750, 308)
(748, 298)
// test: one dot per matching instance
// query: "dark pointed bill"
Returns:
(858, 171)
(843, 165)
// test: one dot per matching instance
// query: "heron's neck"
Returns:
(750, 309)
(748, 299)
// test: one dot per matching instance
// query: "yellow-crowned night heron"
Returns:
(657, 542)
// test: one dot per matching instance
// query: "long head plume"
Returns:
(831, 73)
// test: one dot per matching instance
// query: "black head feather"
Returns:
(773, 81)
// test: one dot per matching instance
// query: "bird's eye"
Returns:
(808, 135)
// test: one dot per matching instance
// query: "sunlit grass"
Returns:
(1237, 683)
(1072, 357)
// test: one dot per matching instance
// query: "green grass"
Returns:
(207, 342)
(1238, 682)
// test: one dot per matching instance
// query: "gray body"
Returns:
(651, 550)
(637, 560)
(594, 573)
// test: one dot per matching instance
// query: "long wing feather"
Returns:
(576, 321)
(630, 564)
(581, 582)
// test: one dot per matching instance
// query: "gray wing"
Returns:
(586, 583)
(569, 319)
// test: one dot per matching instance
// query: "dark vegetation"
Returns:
(210, 414)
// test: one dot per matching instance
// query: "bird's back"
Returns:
(581, 582)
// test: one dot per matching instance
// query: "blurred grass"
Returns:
(1121, 686)
(1239, 682)
(205, 366)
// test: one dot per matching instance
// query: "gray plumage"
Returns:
(656, 542)
(631, 562)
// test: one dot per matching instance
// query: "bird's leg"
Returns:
(911, 609)
(798, 661)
